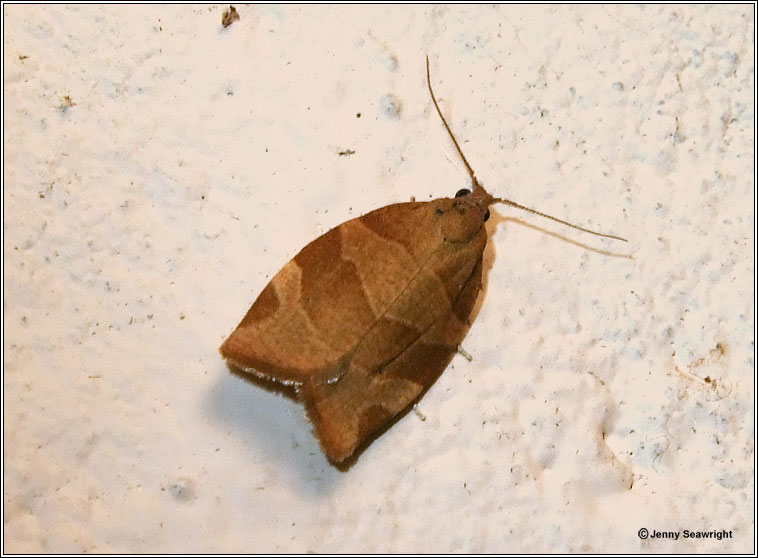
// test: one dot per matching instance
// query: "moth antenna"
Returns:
(476, 184)
(561, 221)
(474, 181)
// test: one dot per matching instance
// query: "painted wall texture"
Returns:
(160, 169)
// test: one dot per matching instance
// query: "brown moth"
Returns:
(366, 317)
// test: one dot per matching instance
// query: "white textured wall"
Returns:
(141, 222)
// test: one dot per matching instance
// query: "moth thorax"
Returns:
(460, 219)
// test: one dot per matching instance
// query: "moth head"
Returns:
(463, 216)
(463, 192)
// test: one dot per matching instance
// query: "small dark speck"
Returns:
(229, 16)
(66, 103)
(358, 115)
(346, 152)
(24, 57)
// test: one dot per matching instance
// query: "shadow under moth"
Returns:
(367, 316)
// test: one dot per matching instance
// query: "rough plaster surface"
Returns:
(160, 169)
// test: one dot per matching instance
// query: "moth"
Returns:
(366, 317)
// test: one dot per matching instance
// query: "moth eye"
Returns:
(462, 192)
(440, 211)
(486, 216)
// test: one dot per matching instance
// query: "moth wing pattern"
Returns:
(318, 307)
(366, 316)
(305, 320)
(350, 412)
